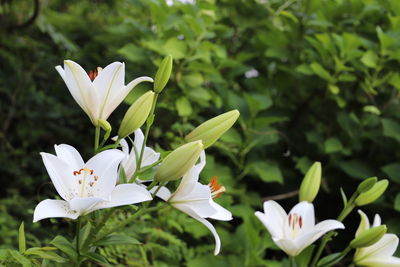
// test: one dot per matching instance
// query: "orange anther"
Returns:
(80, 181)
(96, 178)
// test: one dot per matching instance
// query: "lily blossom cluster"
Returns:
(85, 187)
(196, 199)
(379, 254)
(297, 230)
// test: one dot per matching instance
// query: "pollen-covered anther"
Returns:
(216, 188)
(96, 178)
(91, 184)
(80, 182)
(93, 73)
(295, 220)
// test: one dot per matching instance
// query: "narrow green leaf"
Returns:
(20, 258)
(305, 256)
(330, 260)
(45, 254)
(21, 238)
(96, 257)
(117, 240)
(65, 246)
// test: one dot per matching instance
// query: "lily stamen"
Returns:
(82, 181)
(216, 188)
(93, 73)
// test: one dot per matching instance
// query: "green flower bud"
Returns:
(310, 186)
(105, 125)
(372, 194)
(179, 161)
(163, 74)
(366, 185)
(136, 115)
(368, 237)
(209, 131)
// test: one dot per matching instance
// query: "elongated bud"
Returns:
(310, 186)
(163, 74)
(366, 185)
(372, 194)
(136, 115)
(368, 237)
(105, 125)
(209, 131)
(179, 161)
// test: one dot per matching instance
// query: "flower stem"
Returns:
(96, 138)
(292, 260)
(343, 214)
(150, 120)
(78, 229)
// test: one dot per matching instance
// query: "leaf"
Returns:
(84, 233)
(21, 238)
(176, 48)
(397, 202)
(357, 169)
(65, 246)
(117, 240)
(321, 72)
(268, 171)
(133, 53)
(344, 197)
(50, 255)
(330, 260)
(20, 258)
(393, 171)
(304, 257)
(333, 145)
(391, 128)
(96, 257)
(370, 59)
(183, 107)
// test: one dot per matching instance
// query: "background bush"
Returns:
(314, 80)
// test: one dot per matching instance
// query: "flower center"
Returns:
(295, 224)
(93, 73)
(86, 177)
(216, 188)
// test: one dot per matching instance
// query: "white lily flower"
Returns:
(295, 231)
(100, 92)
(129, 162)
(196, 199)
(85, 187)
(379, 254)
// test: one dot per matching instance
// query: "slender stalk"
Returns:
(78, 229)
(292, 260)
(148, 125)
(144, 256)
(343, 214)
(96, 138)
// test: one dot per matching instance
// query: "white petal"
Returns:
(105, 166)
(109, 83)
(162, 193)
(126, 194)
(124, 145)
(384, 248)
(61, 175)
(381, 262)
(82, 89)
(306, 211)
(377, 220)
(50, 208)
(364, 223)
(116, 99)
(191, 191)
(60, 71)
(149, 157)
(84, 205)
(274, 218)
(288, 246)
(70, 155)
(213, 231)
(139, 138)
(222, 213)
(200, 208)
(328, 225)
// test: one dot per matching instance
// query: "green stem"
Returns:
(96, 138)
(78, 230)
(146, 135)
(343, 214)
(144, 256)
(292, 260)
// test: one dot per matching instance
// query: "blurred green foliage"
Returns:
(314, 80)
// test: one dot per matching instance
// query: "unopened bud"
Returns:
(209, 131)
(368, 237)
(136, 115)
(179, 161)
(366, 185)
(372, 194)
(105, 125)
(310, 186)
(163, 74)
